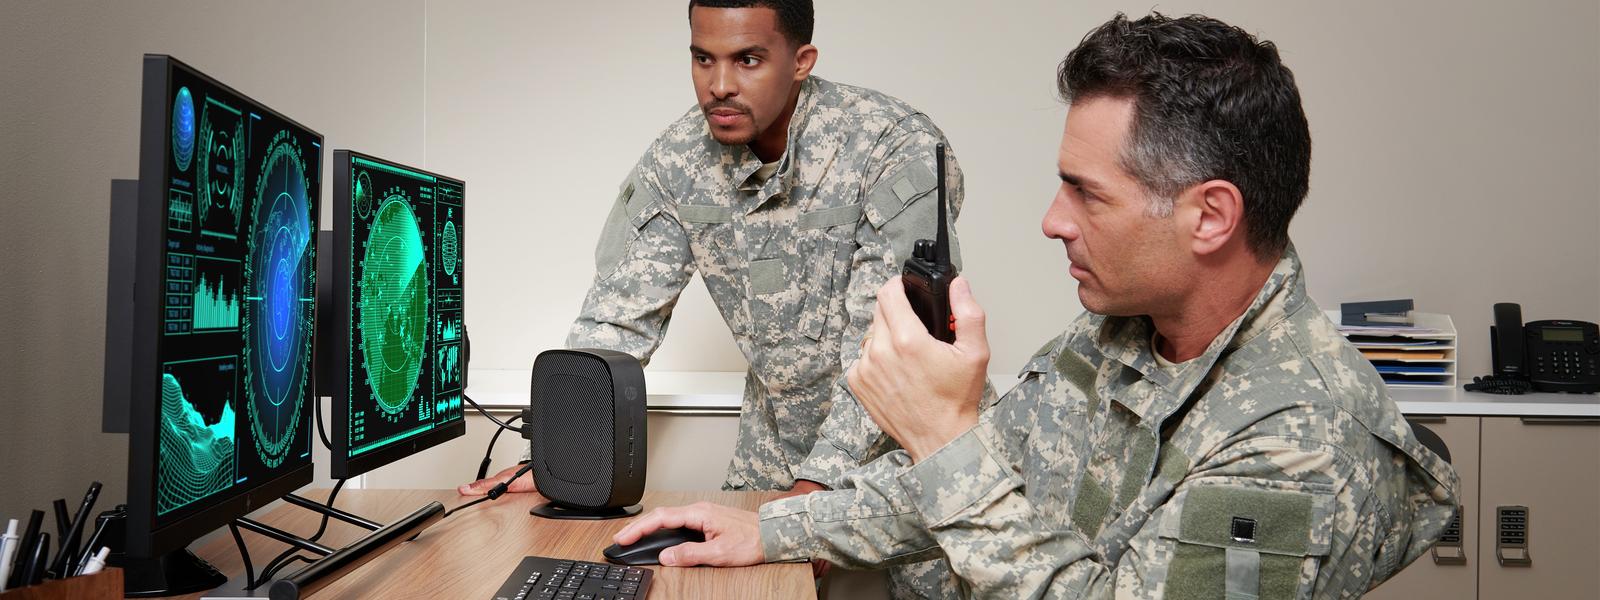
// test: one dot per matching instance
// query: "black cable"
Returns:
(290, 555)
(496, 491)
(266, 575)
(321, 432)
(486, 414)
(483, 468)
(249, 570)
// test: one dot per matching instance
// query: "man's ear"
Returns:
(1218, 215)
(805, 58)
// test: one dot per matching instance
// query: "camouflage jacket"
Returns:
(1273, 466)
(793, 264)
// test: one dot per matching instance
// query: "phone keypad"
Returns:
(1567, 364)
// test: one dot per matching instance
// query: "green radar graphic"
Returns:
(449, 248)
(197, 457)
(394, 303)
(279, 280)
(363, 195)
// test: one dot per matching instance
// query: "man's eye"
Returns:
(749, 61)
(702, 59)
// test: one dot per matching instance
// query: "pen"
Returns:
(69, 541)
(37, 558)
(94, 540)
(30, 537)
(62, 520)
(8, 551)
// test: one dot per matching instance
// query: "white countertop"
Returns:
(722, 391)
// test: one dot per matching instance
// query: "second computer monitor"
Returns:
(398, 308)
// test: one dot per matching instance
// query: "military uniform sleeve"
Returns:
(642, 264)
(900, 207)
(1262, 517)
(871, 521)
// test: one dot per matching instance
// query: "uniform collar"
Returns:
(742, 163)
(1126, 341)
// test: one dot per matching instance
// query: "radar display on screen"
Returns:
(406, 277)
(238, 280)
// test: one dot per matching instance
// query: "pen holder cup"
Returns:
(106, 585)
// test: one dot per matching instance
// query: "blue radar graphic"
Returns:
(278, 315)
(183, 129)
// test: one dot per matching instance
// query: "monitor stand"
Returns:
(331, 563)
(176, 573)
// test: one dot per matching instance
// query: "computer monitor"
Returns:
(395, 323)
(223, 310)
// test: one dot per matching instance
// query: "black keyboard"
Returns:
(541, 578)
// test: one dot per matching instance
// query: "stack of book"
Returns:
(1421, 354)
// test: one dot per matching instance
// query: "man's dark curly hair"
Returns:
(796, 18)
(1210, 102)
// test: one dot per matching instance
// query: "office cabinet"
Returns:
(1449, 571)
(1551, 467)
(1545, 473)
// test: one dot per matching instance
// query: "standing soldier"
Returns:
(795, 198)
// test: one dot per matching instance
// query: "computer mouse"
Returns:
(646, 550)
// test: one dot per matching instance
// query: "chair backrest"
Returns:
(1430, 440)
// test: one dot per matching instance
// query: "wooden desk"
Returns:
(469, 554)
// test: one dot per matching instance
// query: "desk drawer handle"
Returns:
(1561, 420)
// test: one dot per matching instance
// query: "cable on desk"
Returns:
(494, 492)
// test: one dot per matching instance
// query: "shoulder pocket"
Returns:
(1238, 542)
(634, 207)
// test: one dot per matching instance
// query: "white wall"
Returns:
(1457, 157)
(1457, 147)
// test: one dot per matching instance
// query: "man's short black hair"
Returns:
(1210, 102)
(796, 18)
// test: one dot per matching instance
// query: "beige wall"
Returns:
(69, 123)
(1457, 157)
(1457, 147)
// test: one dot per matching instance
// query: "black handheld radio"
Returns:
(928, 273)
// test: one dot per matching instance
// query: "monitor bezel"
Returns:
(342, 465)
(144, 538)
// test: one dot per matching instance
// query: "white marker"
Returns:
(96, 563)
(8, 552)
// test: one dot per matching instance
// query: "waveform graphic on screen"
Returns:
(180, 211)
(448, 404)
(216, 296)
(450, 328)
(197, 458)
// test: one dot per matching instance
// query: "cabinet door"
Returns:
(1552, 467)
(1446, 578)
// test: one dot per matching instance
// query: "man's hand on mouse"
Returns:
(733, 536)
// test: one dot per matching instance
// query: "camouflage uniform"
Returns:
(793, 262)
(1274, 465)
